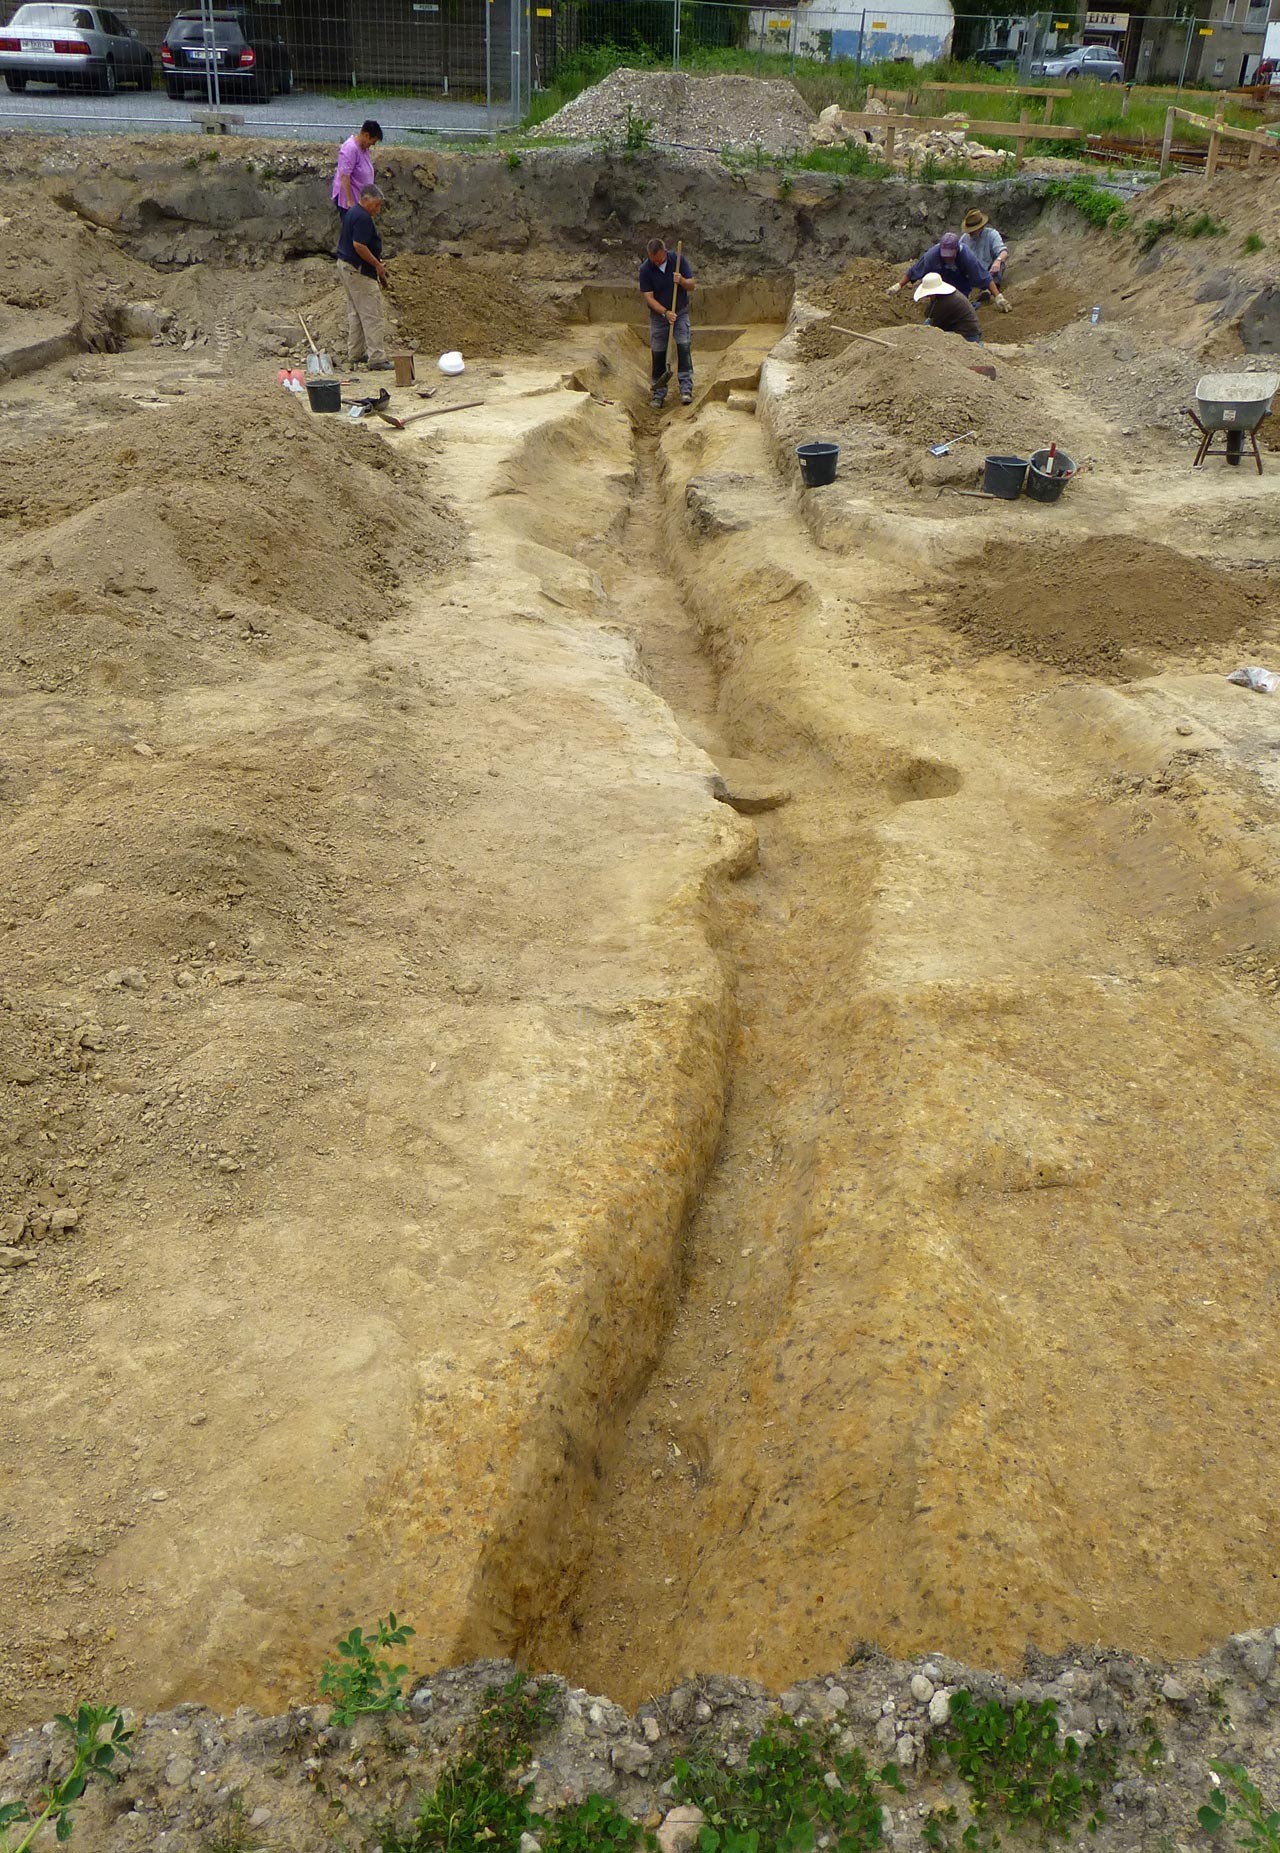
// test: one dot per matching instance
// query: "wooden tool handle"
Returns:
(307, 332)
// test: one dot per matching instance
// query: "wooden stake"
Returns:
(1024, 115)
(1166, 146)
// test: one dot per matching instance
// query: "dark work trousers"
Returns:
(659, 335)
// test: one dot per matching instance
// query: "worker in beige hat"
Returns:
(979, 237)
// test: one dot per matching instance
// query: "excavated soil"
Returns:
(857, 299)
(651, 1070)
(1116, 608)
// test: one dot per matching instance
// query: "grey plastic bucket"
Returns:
(818, 463)
(1045, 481)
(1004, 476)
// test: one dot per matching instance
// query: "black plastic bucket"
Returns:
(1045, 480)
(325, 395)
(1004, 476)
(818, 463)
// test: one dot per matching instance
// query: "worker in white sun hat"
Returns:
(947, 308)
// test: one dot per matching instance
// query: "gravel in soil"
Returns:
(703, 112)
(1112, 608)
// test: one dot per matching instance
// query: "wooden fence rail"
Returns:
(1258, 140)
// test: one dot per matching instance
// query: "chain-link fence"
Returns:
(427, 67)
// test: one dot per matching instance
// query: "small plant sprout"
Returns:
(357, 1683)
(1235, 1798)
(99, 1736)
(1253, 242)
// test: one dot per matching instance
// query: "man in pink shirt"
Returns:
(354, 171)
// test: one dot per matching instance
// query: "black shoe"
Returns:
(658, 400)
(686, 398)
(382, 366)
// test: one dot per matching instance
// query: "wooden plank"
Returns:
(1166, 146)
(1216, 126)
(1025, 131)
(1211, 165)
(1004, 90)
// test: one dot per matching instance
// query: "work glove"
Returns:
(1004, 305)
(894, 288)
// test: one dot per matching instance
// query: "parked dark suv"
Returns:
(252, 59)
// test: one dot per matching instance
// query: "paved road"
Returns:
(301, 116)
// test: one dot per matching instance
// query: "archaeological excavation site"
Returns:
(650, 1078)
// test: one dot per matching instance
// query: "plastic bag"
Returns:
(1261, 681)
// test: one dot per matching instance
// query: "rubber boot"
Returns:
(684, 360)
(661, 373)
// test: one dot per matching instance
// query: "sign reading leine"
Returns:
(1106, 22)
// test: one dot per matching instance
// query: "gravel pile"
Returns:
(699, 112)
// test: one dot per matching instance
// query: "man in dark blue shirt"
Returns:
(666, 286)
(363, 275)
(955, 264)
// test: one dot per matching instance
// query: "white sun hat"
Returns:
(452, 362)
(933, 285)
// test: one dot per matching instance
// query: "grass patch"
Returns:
(1253, 242)
(1174, 224)
(1097, 204)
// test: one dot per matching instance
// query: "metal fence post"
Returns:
(1186, 55)
(675, 35)
(862, 33)
(212, 85)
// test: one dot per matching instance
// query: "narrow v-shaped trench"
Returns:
(674, 1495)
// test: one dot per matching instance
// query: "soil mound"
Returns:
(703, 112)
(443, 302)
(170, 515)
(1111, 608)
(81, 274)
(921, 391)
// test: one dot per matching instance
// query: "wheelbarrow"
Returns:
(1233, 403)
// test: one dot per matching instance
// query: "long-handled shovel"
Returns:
(665, 375)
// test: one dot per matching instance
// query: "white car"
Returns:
(65, 45)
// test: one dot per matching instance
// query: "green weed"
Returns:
(782, 1801)
(1016, 1768)
(1175, 224)
(1245, 1808)
(99, 1736)
(1253, 242)
(514, 159)
(637, 135)
(358, 1683)
(1097, 204)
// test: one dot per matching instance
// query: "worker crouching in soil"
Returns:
(979, 237)
(364, 277)
(947, 308)
(957, 266)
(666, 283)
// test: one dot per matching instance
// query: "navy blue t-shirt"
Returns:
(358, 228)
(658, 282)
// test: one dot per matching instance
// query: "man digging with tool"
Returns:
(948, 308)
(666, 283)
(364, 277)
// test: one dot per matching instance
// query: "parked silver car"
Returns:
(1075, 61)
(65, 45)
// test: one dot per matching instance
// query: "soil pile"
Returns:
(443, 302)
(1110, 608)
(921, 391)
(81, 274)
(246, 497)
(700, 112)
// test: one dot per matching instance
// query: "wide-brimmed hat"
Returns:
(974, 220)
(933, 285)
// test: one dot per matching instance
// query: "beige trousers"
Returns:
(366, 323)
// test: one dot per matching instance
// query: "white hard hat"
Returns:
(452, 362)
